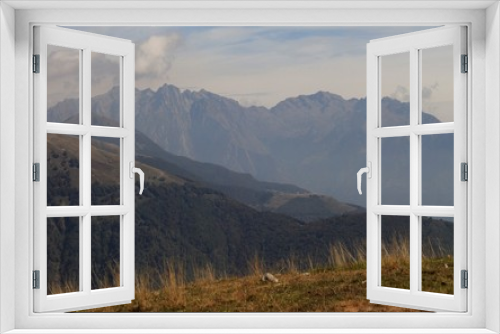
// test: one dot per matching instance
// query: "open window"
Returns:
(17, 102)
(417, 169)
(66, 146)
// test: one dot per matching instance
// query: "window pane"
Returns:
(63, 255)
(63, 85)
(63, 170)
(105, 171)
(105, 89)
(395, 251)
(437, 84)
(395, 171)
(437, 255)
(105, 252)
(395, 89)
(437, 170)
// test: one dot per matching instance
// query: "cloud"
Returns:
(105, 73)
(401, 94)
(243, 61)
(62, 74)
(154, 57)
(438, 104)
(428, 90)
(282, 61)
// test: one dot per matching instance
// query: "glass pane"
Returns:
(63, 85)
(63, 255)
(437, 255)
(395, 171)
(105, 89)
(437, 84)
(63, 170)
(105, 171)
(395, 251)
(105, 256)
(437, 169)
(395, 89)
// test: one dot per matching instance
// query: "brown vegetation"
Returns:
(338, 287)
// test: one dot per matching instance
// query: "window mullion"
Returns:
(414, 169)
(86, 258)
(86, 165)
(81, 240)
(418, 166)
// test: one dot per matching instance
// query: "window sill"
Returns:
(253, 331)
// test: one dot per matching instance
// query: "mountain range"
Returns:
(264, 196)
(316, 142)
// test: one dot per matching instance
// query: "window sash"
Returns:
(412, 43)
(86, 44)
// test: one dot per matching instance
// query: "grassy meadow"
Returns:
(338, 286)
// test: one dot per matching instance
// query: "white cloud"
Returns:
(427, 91)
(62, 74)
(154, 58)
(242, 62)
(105, 73)
(438, 103)
(401, 93)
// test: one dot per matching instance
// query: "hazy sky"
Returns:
(257, 65)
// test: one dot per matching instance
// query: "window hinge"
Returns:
(464, 171)
(36, 63)
(36, 172)
(465, 279)
(36, 279)
(465, 64)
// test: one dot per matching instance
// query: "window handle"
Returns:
(368, 171)
(139, 171)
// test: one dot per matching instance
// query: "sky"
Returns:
(258, 65)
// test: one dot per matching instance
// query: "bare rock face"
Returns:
(268, 277)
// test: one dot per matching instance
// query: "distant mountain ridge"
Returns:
(317, 142)
(264, 196)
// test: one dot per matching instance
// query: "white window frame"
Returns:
(413, 44)
(482, 18)
(85, 44)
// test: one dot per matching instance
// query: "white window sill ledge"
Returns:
(250, 331)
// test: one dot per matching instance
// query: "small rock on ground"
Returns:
(269, 278)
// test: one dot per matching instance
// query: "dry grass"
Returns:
(328, 290)
(396, 263)
(338, 287)
(70, 286)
